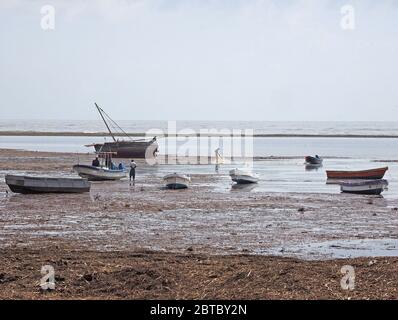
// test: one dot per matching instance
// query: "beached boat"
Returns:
(139, 148)
(243, 176)
(313, 160)
(363, 174)
(177, 181)
(98, 173)
(104, 170)
(364, 186)
(30, 184)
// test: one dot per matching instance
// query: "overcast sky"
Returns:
(199, 60)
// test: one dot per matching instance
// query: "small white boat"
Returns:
(31, 184)
(177, 181)
(104, 169)
(364, 186)
(93, 173)
(243, 176)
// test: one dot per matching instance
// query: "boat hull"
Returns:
(92, 173)
(374, 187)
(243, 177)
(129, 149)
(29, 185)
(368, 192)
(175, 186)
(176, 181)
(313, 160)
(364, 174)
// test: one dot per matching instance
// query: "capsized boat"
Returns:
(243, 176)
(371, 174)
(31, 184)
(177, 181)
(364, 186)
(105, 171)
(128, 148)
(313, 160)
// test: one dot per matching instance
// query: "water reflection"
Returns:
(312, 167)
(243, 187)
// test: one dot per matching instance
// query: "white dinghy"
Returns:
(106, 170)
(243, 176)
(98, 173)
(177, 181)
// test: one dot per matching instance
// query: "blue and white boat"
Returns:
(104, 170)
(93, 173)
(364, 186)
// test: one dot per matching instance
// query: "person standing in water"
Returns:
(133, 165)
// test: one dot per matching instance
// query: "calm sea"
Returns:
(259, 127)
(355, 148)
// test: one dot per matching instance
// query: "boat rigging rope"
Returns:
(114, 124)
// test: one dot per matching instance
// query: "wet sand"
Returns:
(288, 241)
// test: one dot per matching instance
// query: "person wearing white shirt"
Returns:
(133, 165)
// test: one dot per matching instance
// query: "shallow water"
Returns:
(288, 175)
(365, 148)
(277, 176)
(335, 249)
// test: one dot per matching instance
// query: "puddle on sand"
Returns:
(336, 249)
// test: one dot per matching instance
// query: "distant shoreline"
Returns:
(140, 134)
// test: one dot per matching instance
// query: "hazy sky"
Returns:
(199, 60)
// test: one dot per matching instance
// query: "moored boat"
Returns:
(177, 181)
(364, 186)
(243, 176)
(103, 170)
(309, 160)
(371, 174)
(31, 184)
(93, 173)
(129, 148)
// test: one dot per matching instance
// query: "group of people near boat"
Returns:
(110, 165)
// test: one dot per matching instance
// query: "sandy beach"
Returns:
(144, 241)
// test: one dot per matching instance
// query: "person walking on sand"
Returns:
(133, 165)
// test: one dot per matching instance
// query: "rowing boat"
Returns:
(30, 184)
(242, 176)
(177, 181)
(362, 174)
(364, 186)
